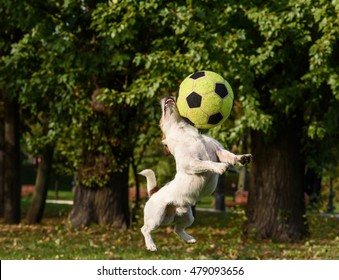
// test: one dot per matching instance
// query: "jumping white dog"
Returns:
(199, 161)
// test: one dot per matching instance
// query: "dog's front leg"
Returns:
(194, 166)
(230, 158)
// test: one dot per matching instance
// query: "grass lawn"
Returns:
(219, 237)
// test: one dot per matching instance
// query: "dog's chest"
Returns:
(205, 150)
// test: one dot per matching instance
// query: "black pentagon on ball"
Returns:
(221, 90)
(197, 75)
(215, 118)
(193, 100)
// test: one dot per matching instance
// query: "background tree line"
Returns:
(80, 82)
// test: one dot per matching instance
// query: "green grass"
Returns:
(219, 236)
(62, 195)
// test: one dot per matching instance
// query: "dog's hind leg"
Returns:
(153, 217)
(182, 221)
(150, 245)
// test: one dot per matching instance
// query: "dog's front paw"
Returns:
(220, 167)
(245, 159)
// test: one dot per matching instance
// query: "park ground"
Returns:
(219, 236)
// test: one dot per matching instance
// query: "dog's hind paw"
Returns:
(192, 241)
(152, 247)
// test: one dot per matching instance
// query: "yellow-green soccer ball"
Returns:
(205, 99)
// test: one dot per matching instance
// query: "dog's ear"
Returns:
(166, 150)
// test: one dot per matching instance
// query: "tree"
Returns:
(12, 182)
(2, 164)
(294, 74)
(62, 70)
(10, 193)
(18, 63)
(37, 206)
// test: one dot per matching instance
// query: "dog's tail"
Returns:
(151, 181)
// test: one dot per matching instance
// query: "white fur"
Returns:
(199, 161)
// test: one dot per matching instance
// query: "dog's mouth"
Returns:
(169, 110)
(168, 104)
(169, 100)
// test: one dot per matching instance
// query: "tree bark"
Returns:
(2, 166)
(220, 193)
(276, 207)
(243, 169)
(12, 184)
(37, 206)
(107, 205)
(136, 205)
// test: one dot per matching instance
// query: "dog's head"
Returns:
(170, 114)
(170, 117)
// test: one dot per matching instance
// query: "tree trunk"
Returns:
(106, 206)
(12, 184)
(276, 207)
(220, 193)
(37, 206)
(136, 205)
(2, 166)
(243, 169)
